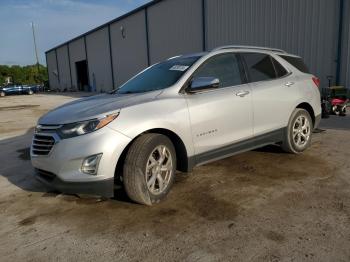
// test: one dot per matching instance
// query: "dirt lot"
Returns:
(263, 205)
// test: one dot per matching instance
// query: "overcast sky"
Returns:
(56, 21)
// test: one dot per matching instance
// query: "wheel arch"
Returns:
(306, 106)
(184, 163)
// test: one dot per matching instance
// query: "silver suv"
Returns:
(186, 111)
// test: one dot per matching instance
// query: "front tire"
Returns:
(2, 94)
(149, 169)
(298, 134)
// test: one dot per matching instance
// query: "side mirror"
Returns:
(203, 83)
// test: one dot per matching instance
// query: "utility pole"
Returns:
(36, 50)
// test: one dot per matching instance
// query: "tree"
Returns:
(24, 74)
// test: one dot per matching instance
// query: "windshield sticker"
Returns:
(178, 68)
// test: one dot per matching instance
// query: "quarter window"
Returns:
(259, 66)
(280, 70)
(224, 67)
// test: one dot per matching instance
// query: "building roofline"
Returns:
(138, 9)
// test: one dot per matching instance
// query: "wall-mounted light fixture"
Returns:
(122, 30)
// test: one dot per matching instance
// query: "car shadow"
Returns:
(15, 159)
(276, 149)
(271, 149)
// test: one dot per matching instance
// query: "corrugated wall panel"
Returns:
(129, 53)
(345, 65)
(52, 69)
(306, 28)
(63, 67)
(77, 53)
(100, 72)
(175, 27)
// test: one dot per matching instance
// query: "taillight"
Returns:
(316, 81)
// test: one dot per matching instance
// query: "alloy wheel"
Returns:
(301, 131)
(159, 170)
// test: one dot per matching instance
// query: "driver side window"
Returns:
(224, 67)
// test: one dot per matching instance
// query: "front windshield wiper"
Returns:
(114, 91)
(128, 92)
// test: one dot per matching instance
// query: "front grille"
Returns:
(42, 144)
(47, 128)
(48, 176)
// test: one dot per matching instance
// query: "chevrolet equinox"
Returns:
(186, 111)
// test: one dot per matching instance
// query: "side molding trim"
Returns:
(236, 148)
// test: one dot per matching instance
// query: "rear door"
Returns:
(222, 116)
(273, 92)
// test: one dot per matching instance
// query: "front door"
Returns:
(223, 116)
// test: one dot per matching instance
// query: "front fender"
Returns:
(169, 114)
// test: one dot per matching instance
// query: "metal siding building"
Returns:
(107, 56)
(129, 51)
(99, 62)
(345, 51)
(63, 66)
(174, 27)
(52, 69)
(76, 54)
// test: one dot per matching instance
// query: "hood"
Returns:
(94, 107)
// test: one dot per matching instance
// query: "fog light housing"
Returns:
(90, 164)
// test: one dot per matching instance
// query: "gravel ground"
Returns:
(263, 205)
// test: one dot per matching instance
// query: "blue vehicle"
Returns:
(16, 89)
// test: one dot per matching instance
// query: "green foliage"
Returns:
(23, 74)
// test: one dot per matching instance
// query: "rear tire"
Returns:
(297, 137)
(149, 169)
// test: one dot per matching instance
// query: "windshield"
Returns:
(158, 76)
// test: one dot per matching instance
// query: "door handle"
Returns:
(289, 83)
(242, 93)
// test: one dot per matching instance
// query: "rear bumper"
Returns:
(104, 188)
(317, 121)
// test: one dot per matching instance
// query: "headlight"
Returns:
(85, 127)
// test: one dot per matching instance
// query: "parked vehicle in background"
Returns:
(16, 89)
(175, 115)
(339, 97)
(335, 100)
(36, 88)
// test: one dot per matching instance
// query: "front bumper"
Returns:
(62, 165)
(104, 188)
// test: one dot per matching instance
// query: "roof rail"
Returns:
(248, 47)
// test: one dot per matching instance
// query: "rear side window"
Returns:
(259, 66)
(224, 67)
(280, 70)
(297, 62)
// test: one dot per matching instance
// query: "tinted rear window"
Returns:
(259, 67)
(297, 62)
(280, 70)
